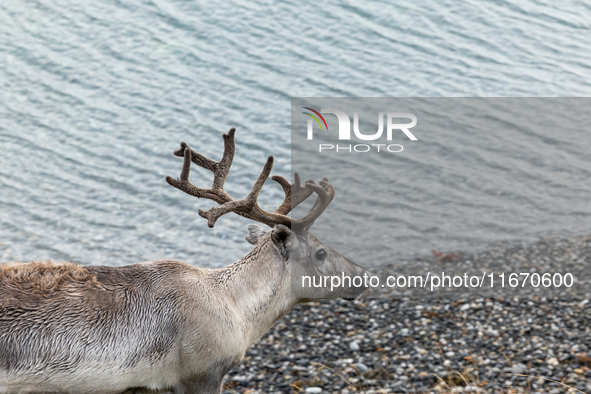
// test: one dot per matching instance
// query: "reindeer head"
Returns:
(316, 270)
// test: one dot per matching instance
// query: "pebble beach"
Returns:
(383, 343)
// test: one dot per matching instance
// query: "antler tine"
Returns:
(220, 168)
(326, 194)
(220, 171)
(184, 185)
(295, 193)
(248, 206)
(245, 205)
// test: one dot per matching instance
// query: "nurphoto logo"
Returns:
(344, 130)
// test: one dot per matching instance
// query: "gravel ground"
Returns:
(383, 343)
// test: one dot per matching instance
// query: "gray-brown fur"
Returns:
(77, 319)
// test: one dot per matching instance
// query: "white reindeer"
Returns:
(164, 325)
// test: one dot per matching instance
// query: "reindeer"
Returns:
(165, 326)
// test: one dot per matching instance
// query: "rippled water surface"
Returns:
(96, 95)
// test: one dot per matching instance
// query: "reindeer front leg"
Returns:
(201, 385)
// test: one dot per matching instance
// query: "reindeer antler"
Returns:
(248, 207)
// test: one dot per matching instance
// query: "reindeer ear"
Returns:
(255, 233)
(283, 238)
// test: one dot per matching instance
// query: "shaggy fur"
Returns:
(44, 277)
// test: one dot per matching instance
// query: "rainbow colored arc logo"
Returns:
(315, 118)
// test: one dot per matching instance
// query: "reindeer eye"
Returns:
(321, 254)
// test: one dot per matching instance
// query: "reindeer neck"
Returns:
(258, 286)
